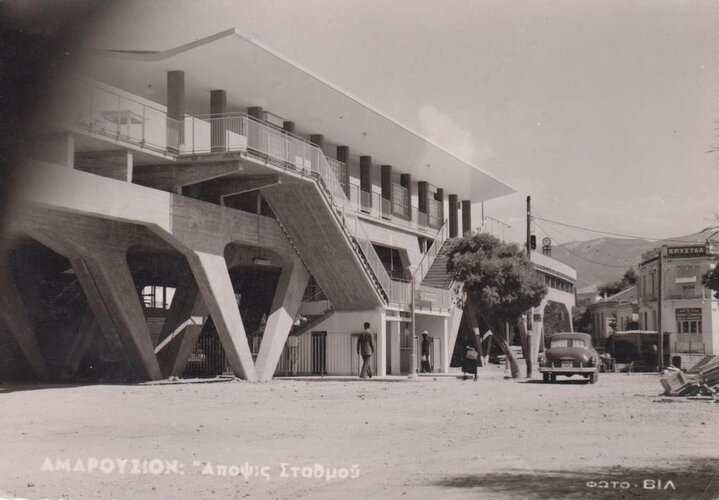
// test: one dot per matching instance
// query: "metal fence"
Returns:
(98, 110)
(322, 353)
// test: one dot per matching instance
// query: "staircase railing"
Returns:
(428, 258)
(240, 132)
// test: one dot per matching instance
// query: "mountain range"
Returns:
(603, 260)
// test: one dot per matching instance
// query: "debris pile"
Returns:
(679, 383)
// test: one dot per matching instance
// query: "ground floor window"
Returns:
(689, 326)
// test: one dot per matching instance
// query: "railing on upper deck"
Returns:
(114, 115)
(98, 110)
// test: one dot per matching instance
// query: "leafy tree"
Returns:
(630, 277)
(711, 280)
(628, 280)
(499, 284)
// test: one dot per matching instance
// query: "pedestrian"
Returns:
(469, 363)
(426, 346)
(365, 347)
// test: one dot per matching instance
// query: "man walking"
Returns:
(426, 347)
(365, 347)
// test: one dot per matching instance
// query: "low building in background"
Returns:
(618, 312)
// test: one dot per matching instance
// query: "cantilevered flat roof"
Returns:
(255, 75)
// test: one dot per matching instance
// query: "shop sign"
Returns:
(691, 251)
(689, 314)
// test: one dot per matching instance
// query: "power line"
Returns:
(581, 228)
(629, 264)
(580, 256)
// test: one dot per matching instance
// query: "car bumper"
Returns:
(559, 370)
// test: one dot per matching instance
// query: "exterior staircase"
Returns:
(703, 363)
(437, 275)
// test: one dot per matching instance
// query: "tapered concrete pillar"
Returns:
(423, 196)
(466, 217)
(405, 180)
(256, 112)
(175, 107)
(381, 347)
(386, 179)
(317, 140)
(366, 179)
(288, 127)
(182, 327)
(440, 198)
(111, 291)
(56, 242)
(453, 216)
(446, 356)
(87, 331)
(395, 347)
(16, 321)
(213, 279)
(218, 127)
(343, 155)
(285, 305)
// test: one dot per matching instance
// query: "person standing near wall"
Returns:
(365, 347)
(425, 352)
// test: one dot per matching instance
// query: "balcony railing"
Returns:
(431, 254)
(98, 110)
(425, 297)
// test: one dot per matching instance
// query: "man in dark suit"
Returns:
(365, 347)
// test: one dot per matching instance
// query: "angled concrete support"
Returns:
(285, 305)
(110, 281)
(213, 279)
(182, 328)
(86, 332)
(16, 321)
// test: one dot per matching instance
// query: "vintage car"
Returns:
(570, 354)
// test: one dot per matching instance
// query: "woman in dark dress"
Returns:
(469, 363)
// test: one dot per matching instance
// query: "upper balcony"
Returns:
(109, 114)
(232, 60)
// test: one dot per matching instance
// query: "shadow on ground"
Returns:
(561, 381)
(693, 479)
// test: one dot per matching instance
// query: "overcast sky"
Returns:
(602, 111)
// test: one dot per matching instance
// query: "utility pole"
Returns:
(660, 298)
(529, 227)
(413, 351)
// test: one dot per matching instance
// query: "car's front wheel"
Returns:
(593, 378)
(545, 377)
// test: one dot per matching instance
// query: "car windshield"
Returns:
(569, 343)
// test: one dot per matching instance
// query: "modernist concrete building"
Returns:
(183, 211)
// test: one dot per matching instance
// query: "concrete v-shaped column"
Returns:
(213, 279)
(285, 305)
(81, 342)
(113, 282)
(107, 283)
(182, 327)
(17, 322)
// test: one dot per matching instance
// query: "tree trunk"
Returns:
(502, 342)
(474, 325)
(527, 339)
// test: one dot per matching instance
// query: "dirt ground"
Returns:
(431, 438)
